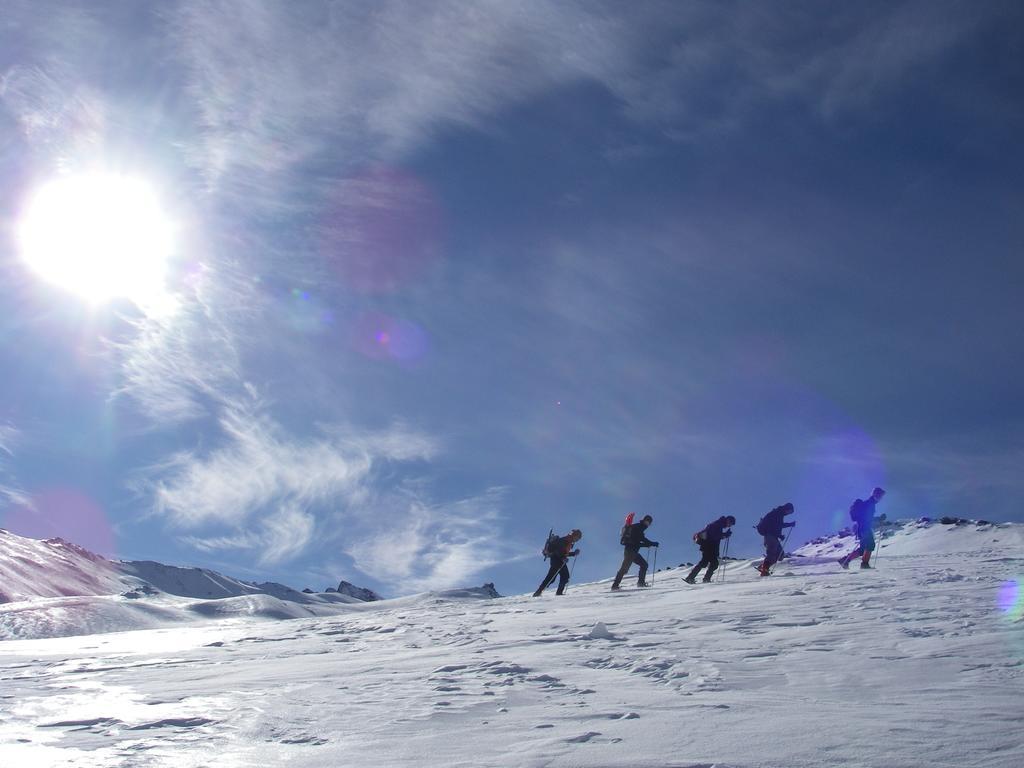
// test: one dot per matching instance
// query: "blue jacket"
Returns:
(863, 514)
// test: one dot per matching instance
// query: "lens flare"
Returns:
(1010, 600)
(381, 337)
(304, 312)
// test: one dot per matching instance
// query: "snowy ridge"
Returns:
(54, 588)
(920, 662)
(51, 568)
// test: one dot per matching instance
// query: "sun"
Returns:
(100, 236)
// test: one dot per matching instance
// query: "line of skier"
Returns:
(771, 527)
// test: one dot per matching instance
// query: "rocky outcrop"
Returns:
(359, 593)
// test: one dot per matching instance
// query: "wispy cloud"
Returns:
(186, 364)
(273, 88)
(8, 491)
(278, 537)
(281, 499)
(418, 546)
(278, 85)
(259, 467)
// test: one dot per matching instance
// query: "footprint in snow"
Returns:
(583, 737)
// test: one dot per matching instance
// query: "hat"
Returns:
(878, 492)
(647, 519)
(730, 520)
(577, 533)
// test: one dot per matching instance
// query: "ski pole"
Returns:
(571, 568)
(654, 566)
(723, 558)
(782, 554)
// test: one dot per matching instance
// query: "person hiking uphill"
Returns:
(559, 550)
(863, 515)
(770, 527)
(709, 540)
(633, 538)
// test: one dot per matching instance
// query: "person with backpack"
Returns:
(770, 526)
(709, 539)
(559, 549)
(634, 537)
(862, 513)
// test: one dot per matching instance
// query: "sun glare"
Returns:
(100, 236)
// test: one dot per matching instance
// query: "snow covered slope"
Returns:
(917, 663)
(54, 588)
(927, 537)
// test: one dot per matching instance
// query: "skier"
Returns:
(863, 515)
(770, 527)
(633, 539)
(560, 550)
(709, 540)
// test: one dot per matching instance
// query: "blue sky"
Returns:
(448, 274)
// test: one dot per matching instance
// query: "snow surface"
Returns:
(917, 663)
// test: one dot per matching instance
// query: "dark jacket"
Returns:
(772, 523)
(635, 537)
(716, 531)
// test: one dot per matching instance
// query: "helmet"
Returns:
(577, 534)
(879, 492)
(730, 520)
(648, 519)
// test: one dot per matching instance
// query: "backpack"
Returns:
(761, 527)
(550, 544)
(857, 510)
(625, 529)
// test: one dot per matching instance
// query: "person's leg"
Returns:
(774, 547)
(845, 561)
(696, 569)
(563, 579)
(639, 560)
(868, 546)
(627, 560)
(712, 558)
(766, 563)
(556, 564)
